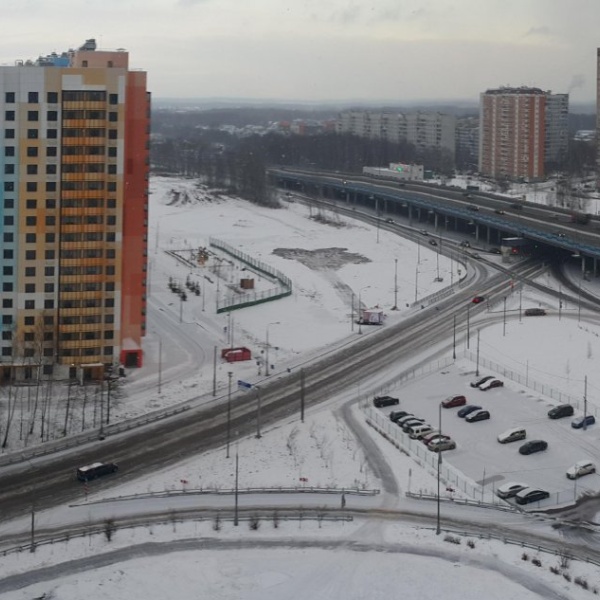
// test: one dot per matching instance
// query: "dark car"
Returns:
(533, 446)
(465, 410)
(579, 422)
(388, 220)
(397, 414)
(491, 383)
(495, 251)
(453, 401)
(516, 205)
(534, 312)
(95, 470)
(477, 415)
(478, 382)
(380, 401)
(465, 244)
(433, 242)
(478, 299)
(498, 211)
(529, 495)
(473, 207)
(560, 411)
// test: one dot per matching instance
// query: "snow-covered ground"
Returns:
(358, 559)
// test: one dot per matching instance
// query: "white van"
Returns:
(512, 435)
(581, 468)
(418, 431)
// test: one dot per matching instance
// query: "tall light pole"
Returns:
(159, 364)
(395, 307)
(477, 369)
(439, 465)
(504, 319)
(468, 324)
(359, 308)
(258, 402)
(267, 349)
(454, 339)
(229, 375)
(416, 282)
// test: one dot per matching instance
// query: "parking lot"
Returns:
(480, 457)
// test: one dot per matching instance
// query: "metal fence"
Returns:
(248, 299)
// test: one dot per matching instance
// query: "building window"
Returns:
(112, 134)
(30, 288)
(29, 271)
(7, 303)
(50, 169)
(51, 134)
(9, 115)
(31, 186)
(49, 288)
(6, 352)
(31, 221)
(33, 115)
(31, 169)
(112, 169)
(9, 169)
(6, 320)
(8, 221)
(52, 97)
(30, 254)
(32, 151)
(50, 254)
(49, 271)
(113, 98)
(30, 238)
(50, 186)
(29, 305)
(32, 97)
(8, 254)
(48, 304)
(110, 285)
(28, 336)
(32, 134)
(7, 271)
(112, 152)
(9, 151)
(7, 335)
(9, 237)
(113, 117)
(50, 221)
(51, 151)
(31, 204)
(9, 134)
(52, 115)
(50, 203)
(9, 97)
(9, 186)
(7, 286)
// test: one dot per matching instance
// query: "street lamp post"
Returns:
(258, 406)
(229, 375)
(395, 307)
(454, 338)
(159, 364)
(359, 307)
(504, 319)
(439, 465)
(267, 349)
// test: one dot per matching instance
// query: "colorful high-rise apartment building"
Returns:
(74, 166)
(521, 131)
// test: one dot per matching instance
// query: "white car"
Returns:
(510, 489)
(491, 383)
(581, 468)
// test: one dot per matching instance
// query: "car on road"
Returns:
(535, 312)
(478, 299)
(95, 470)
(388, 220)
(380, 401)
(581, 468)
(433, 242)
(580, 422)
(465, 244)
(560, 411)
(473, 207)
(441, 445)
(398, 414)
(491, 383)
(512, 435)
(517, 206)
(477, 415)
(478, 382)
(510, 489)
(465, 410)
(452, 401)
(499, 211)
(533, 446)
(495, 251)
(529, 495)
(424, 232)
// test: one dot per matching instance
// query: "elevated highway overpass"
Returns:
(489, 217)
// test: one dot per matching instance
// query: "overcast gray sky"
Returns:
(400, 50)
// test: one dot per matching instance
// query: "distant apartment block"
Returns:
(467, 143)
(423, 129)
(521, 131)
(74, 165)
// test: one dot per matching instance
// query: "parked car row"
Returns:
(418, 429)
(566, 410)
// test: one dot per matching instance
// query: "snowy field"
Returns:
(360, 559)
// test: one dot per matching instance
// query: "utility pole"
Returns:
(258, 403)
(395, 307)
(454, 339)
(504, 319)
(237, 471)
(585, 403)
(229, 375)
(159, 364)
(215, 372)
(302, 395)
(477, 369)
(32, 545)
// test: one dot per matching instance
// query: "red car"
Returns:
(453, 401)
(478, 299)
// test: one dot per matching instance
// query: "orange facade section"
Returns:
(135, 217)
